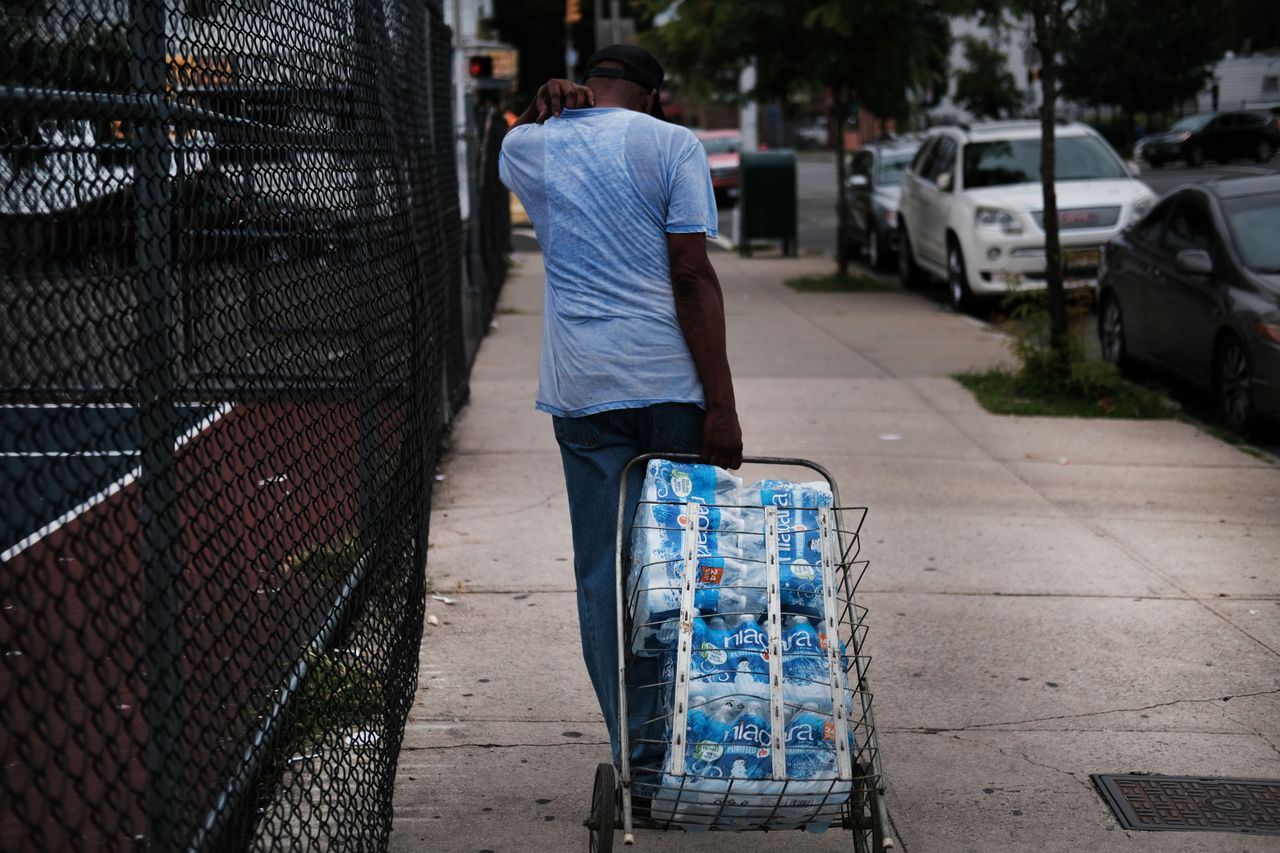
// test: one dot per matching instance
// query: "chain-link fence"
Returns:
(231, 321)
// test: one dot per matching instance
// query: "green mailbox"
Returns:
(768, 203)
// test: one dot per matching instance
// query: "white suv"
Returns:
(972, 209)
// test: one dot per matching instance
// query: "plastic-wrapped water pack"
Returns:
(731, 548)
(729, 741)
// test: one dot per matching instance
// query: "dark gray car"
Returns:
(1194, 287)
(872, 190)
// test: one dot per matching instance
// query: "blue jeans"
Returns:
(595, 449)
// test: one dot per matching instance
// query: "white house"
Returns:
(1243, 82)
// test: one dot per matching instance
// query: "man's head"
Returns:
(628, 75)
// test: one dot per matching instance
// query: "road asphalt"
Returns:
(1047, 598)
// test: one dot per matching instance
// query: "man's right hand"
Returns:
(721, 437)
(555, 96)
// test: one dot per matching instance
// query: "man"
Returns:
(633, 341)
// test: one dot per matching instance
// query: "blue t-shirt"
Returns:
(603, 187)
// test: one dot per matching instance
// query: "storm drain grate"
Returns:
(1191, 804)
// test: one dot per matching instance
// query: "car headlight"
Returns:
(995, 217)
(1142, 205)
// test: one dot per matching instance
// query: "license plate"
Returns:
(1081, 259)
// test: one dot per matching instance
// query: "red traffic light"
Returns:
(480, 66)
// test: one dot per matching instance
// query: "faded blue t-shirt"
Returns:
(603, 187)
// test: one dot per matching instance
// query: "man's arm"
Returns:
(552, 97)
(700, 310)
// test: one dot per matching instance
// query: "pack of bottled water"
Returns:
(728, 773)
(729, 740)
(731, 548)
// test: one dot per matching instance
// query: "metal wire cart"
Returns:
(744, 702)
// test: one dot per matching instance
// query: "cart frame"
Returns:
(878, 831)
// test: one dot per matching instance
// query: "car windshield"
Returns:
(1190, 123)
(1017, 161)
(1254, 222)
(723, 144)
(892, 168)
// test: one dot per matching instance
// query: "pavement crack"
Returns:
(1265, 739)
(978, 726)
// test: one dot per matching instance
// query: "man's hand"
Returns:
(721, 437)
(555, 96)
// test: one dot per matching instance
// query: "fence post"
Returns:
(157, 427)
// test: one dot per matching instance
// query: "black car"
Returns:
(1194, 287)
(872, 191)
(1222, 137)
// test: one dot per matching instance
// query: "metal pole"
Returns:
(157, 429)
(615, 21)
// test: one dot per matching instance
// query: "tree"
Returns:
(985, 87)
(1141, 55)
(877, 54)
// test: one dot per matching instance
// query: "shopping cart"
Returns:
(663, 781)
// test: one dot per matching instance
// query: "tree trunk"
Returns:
(840, 112)
(1046, 18)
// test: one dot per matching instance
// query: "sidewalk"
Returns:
(1048, 598)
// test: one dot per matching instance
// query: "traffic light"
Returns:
(480, 66)
(572, 11)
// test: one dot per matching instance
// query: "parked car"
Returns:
(1194, 287)
(724, 150)
(872, 192)
(1222, 137)
(971, 211)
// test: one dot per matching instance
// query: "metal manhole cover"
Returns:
(1190, 804)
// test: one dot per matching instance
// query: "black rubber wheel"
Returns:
(912, 276)
(1233, 386)
(864, 816)
(1195, 156)
(958, 292)
(604, 801)
(1264, 152)
(1111, 334)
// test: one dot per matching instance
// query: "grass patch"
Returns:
(1058, 382)
(836, 283)
(1004, 392)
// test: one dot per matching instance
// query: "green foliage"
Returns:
(1141, 55)
(92, 57)
(880, 53)
(837, 283)
(1057, 381)
(986, 87)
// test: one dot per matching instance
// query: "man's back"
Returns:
(603, 187)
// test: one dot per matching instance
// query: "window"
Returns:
(942, 159)
(922, 156)
(1255, 221)
(1271, 84)
(1190, 227)
(1017, 161)
(1147, 232)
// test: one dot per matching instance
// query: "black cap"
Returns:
(638, 66)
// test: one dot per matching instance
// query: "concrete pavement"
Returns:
(1048, 598)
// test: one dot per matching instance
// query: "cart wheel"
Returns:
(604, 798)
(869, 834)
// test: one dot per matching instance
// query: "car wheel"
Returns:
(957, 279)
(1264, 152)
(1233, 386)
(874, 257)
(1111, 335)
(1195, 156)
(911, 274)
